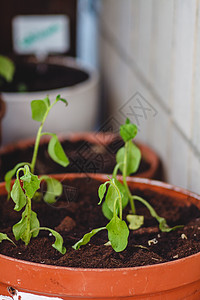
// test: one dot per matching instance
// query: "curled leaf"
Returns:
(18, 196)
(135, 221)
(4, 237)
(54, 189)
(86, 238)
(58, 244)
(56, 151)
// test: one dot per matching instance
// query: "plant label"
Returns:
(41, 34)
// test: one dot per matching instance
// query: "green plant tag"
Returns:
(128, 131)
(54, 189)
(133, 158)
(4, 237)
(18, 196)
(118, 233)
(86, 238)
(39, 109)
(7, 68)
(56, 151)
(135, 221)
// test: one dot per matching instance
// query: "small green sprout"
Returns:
(26, 185)
(118, 195)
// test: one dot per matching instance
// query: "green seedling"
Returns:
(115, 196)
(26, 185)
(7, 68)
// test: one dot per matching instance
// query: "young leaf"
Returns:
(39, 109)
(4, 236)
(164, 227)
(135, 221)
(56, 151)
(128, 131)
(31, 184)
(118, 233)
(7, 68)
(112, 195)
(86, 238)
(18, 196)
(54, 189)
(20, 230)
(133, 158)
(58, 244)
(9, 176)
(106, 211)
(101, 191)
(58, 98)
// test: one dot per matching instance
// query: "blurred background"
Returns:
(146, 58)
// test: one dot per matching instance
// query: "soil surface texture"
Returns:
(77, 213)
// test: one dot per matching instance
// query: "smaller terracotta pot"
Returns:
(176, 280)
(91, 154)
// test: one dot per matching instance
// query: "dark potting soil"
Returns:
(77, 212)
(84, 157)
(43, 77)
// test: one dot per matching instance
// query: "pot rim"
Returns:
(93, 78)
(103, 177)
(94, 138)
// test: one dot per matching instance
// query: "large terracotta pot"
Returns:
(175, 280)
(97, 161)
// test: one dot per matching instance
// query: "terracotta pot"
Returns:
(175, 280)
(9, 153)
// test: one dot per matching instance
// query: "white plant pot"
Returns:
(80, 115)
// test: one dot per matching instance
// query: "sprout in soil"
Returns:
(118, 195)
(26, 184)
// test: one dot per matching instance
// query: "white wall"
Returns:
(152, 47)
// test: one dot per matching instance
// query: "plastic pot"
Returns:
(175, 280)
(101, 157)
(82, 95)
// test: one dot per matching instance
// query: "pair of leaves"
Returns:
(40, 108)
(31, 184)
(22, 231)
(7, 68)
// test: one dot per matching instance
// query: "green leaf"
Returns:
(7, 68)
(133, 158)
(31, 183)
(128, 131)
(112, 195)
(106, 211)
(4, 236)
(54, 189)
(58, 244)
(118, 233)
(135, 221)
(58, 98)
(101, 191)
(164, 227)
(18, 196)
(9, 176)
(21, 230)
(39, 109)
(86, 238)
(56, 151)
